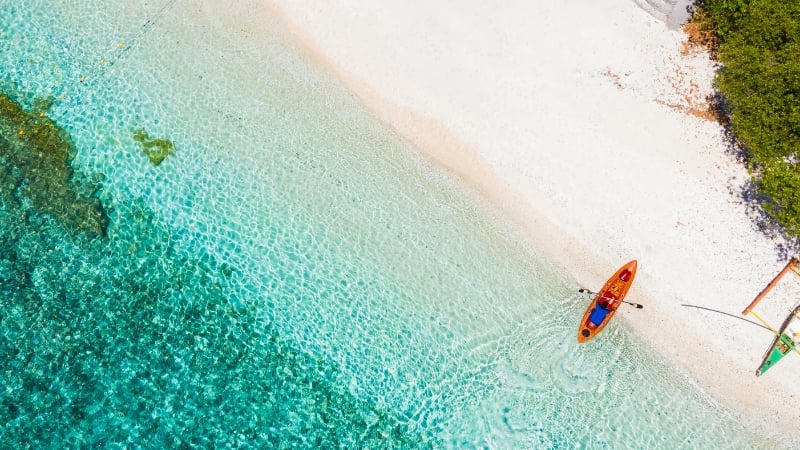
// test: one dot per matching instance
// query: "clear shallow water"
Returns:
(293, 275)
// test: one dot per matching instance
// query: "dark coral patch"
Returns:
(36, 171)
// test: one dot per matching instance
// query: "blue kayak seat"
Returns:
(598, 315)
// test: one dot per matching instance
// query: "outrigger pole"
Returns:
(789, 266)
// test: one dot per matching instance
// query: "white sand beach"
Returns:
(576, 119)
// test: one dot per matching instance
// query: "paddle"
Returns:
(586, 291)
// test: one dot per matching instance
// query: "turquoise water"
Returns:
(291, 275)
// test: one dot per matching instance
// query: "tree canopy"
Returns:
(759, 50)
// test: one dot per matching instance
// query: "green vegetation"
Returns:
(155, 149)
(36, 172)
(758, 44)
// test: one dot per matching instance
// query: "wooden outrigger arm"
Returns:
(789, 266)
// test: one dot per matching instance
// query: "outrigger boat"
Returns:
(605, 303)
(787, 337)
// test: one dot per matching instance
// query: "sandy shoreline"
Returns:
(575, 113)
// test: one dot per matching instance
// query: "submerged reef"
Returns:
(131, 341)
(156, 150)
(36, 155)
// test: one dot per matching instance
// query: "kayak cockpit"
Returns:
(598, 315)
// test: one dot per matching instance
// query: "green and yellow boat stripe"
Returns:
(793, 345)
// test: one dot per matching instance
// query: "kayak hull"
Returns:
(605, 304)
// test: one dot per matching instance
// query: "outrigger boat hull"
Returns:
(605, 303)
(786, 340)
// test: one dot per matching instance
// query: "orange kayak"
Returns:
(605, 303)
